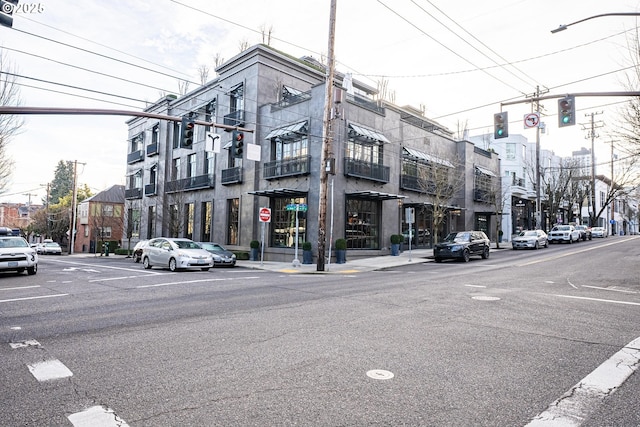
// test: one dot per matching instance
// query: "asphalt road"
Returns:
(103, 342)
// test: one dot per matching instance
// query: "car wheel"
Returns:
(546, 244)
(20, 270)
(32, 270)
(146, 263)
(570, 240)
(465, 255)
(536, 246)
(485, 253)
(438, 259)
(172, 264)
(205, 268)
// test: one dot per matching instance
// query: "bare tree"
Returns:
(440, 181)
(243, 45)
(203, 71)
(218, 60)
(266, 34)
(183, 87)
(9, 124)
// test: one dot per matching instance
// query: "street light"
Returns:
(564, 27)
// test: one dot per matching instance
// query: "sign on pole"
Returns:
(531, 120)
(265, 215)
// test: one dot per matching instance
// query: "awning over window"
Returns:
(375, 195)
(134, 172)
(291, 91)
(294, 129)
(427, 157)
(485, 171)
(280, 192)
(367, 133)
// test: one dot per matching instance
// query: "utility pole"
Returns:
(74, 202)
(326, 142)
(592, 134)
(538, 206)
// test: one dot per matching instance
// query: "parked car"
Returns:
(176, 254)
(137, 250)
(50, 248)
(17, 255)
(599, 232)
(221, 256)
(462, 245)
(585, 232)
(564, 233)
(533, 239)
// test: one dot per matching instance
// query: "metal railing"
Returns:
(288, 167)
(366, 170)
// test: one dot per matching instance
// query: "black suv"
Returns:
(461, 245)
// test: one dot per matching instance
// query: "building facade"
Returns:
(384, 159)
(100, 220)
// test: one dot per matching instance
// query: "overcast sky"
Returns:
(460, 59)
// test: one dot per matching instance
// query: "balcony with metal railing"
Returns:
(150, 189)
(133, 193)
(198, 182)
(372, 171)
(288, 167)
(232, 176)
(136, 156)
(152, 149)
(235, 118)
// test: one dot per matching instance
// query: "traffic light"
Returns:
(6, 12)
(567, 111)
(237, 143)
(500, 125)
(186, 132)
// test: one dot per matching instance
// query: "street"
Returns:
(487, 343)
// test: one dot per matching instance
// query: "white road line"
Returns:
(97, 416)
(49, 370)
(30, 298)
(599, 300)
(19, 287)
(573, 408)
(118, 278)
(562, 255)
(195, 281)
(109, 267)
(626, 291)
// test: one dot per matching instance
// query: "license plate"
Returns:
(200, 261)
(13, 263)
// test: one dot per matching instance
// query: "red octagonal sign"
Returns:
(265, 215)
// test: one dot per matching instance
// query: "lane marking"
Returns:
(30, 298)
(109, 267)
(49, 370)
(195, 281)
(19, 287)
(599, 300)
(626, 291)
(475, 286)
(97, 416)
(23, 344)
(574, 407)
(590, 248)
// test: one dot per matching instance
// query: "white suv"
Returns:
(16, 254)
(563, 233)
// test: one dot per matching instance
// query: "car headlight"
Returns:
(456, 247)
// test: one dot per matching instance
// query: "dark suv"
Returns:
(462, 245)
(585, 232)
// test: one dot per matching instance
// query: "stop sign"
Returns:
(265, 215)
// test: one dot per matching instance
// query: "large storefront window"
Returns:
(233, 221)
(362, 230)
(283, 222)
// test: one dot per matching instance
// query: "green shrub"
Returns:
(306, 246)
(255, 244)
(396, 239)
(341, 244)
(242, 255)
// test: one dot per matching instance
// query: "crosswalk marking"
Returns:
(49, 370)
(97, 416)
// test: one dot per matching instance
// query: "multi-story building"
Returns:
(100, 220)
(384, 158)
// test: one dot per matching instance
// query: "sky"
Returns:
(458, 59)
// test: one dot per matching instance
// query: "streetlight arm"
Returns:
(564, 27)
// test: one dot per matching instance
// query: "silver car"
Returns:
(533, 239)
(176, 254)
(221, 256)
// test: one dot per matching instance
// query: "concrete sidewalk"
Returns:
(416, 256)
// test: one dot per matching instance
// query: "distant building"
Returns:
(100, 218)
(17, 215)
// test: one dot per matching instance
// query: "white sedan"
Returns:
(533, 239)
(176, 254)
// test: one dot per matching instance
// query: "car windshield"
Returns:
(51, 244)
(13, 242)
(458, 237)
(213, 247)
(186, 244)
(562, 228)
(528, 233)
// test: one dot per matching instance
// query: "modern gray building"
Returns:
(384, 159)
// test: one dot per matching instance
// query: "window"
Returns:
(133, 223)
(367, 152)
(135, 180)
(510, 151)
(283, 222)
(191, 165)
(236, 98)
(136, 142)
(206, 221)
(233, 221)
(363, 223)
(188, 220)
(290, 148)
(107, 210)
(151, 220)
(174, 218)
(104, 232)
(209, 167)
(175, 169)
(176, 134)
(155, 133)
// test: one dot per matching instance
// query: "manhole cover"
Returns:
(486, 298)
(380, 374)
